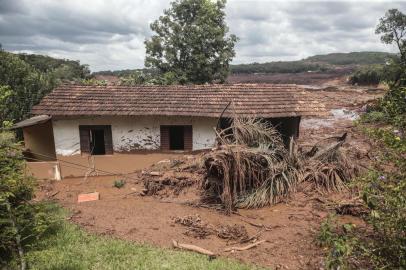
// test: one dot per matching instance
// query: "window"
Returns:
(96, 140)
(176, 138)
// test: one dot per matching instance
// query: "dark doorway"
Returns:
(176, 138)
(97, 146)
(96, 140)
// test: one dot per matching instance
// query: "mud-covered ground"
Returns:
(289, 228)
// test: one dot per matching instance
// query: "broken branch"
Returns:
(193, 248)
(244, 248)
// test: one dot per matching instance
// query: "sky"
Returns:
(110, 35)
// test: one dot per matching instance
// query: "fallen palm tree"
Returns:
(327, 166)
(251, 160)
(252, 168)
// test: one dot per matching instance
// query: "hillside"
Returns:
(352, 58)
(317, 63)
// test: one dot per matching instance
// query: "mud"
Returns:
(289, 228)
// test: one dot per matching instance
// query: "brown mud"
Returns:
(289, 228)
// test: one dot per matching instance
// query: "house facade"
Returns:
(105, 120)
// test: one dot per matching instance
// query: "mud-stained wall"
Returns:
(39, 141)
(131, 133)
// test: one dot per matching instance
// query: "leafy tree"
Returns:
(191, 42)
(22, 222)
(26, 78)
(392, 28)
(21, 87)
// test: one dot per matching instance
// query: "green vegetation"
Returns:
(22, 222)
(383, 189)
(352, 58)
(63, 69)
(148, 77)
(25, 79)
(119, 183)
(382, 245)
(191, 42)
(278, 67)
(367, 75)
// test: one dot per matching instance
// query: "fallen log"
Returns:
(230, 249)
(193, 248)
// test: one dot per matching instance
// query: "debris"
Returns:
(164, 161)
(155, 173)
(193, 248)
(235, 232)
(353, 207)
(252, 168)
(87, 197)
(232, 249)
(175, 182)
(267, 228)
(53, 194)
(196, 228)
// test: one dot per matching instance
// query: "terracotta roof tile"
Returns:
(255, 100)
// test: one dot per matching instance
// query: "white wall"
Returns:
(131, 133)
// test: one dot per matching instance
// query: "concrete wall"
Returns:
(131, 133)
(39, 141)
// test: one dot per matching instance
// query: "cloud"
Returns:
(110, 34)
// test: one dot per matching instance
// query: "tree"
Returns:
(191, 44)
(392, 28)
(21, 87)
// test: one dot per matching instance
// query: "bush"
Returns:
(370, 75)
(382, 245)
(22, 222)
(340, 241)
(119, 183)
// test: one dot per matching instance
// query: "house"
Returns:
(107, 120)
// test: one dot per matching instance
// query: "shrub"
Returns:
(369, 75)
(119, 183)
(22, 221)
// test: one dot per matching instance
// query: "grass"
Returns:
(72, 248)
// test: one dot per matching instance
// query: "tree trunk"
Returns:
(23, 263)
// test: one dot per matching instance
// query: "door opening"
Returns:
(97, 145)
(176, 138)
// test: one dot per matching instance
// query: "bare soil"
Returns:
(296, 78)
(289, 228)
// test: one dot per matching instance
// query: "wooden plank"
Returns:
(188, 138)
(164, 134)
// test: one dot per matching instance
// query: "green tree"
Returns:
(191, 44)
(392, 28)
(21, 87)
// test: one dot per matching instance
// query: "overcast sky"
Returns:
(110, 34)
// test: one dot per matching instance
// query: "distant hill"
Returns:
(66, 69)
(352, 58)
(317, 63)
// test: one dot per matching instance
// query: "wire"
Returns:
(76, 164)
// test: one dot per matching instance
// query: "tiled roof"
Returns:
(250, 100)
